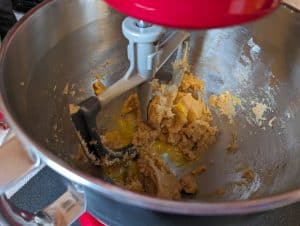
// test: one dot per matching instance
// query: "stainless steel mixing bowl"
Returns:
(69, 41)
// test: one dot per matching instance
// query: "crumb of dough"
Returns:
(226, 104)
(73, 108)
(22, 83)
(160, 107)
(233, 146)
(191, 83)
(189, 184)
(66, 89)
(198, 135)
(98, 88)
(248, 175)
(271, 121)
(199, 170)
(259, 110)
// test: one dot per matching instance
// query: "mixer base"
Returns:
(34, 195)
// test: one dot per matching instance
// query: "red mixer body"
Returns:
(195, 14)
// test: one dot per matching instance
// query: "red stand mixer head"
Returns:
(195, 14)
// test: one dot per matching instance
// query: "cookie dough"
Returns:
(180, 125)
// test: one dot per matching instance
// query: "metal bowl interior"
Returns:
(70, 42)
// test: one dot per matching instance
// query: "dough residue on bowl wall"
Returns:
(226, 104)
(259, 110)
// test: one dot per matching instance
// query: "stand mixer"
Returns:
(150, 46)
(78, 38)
